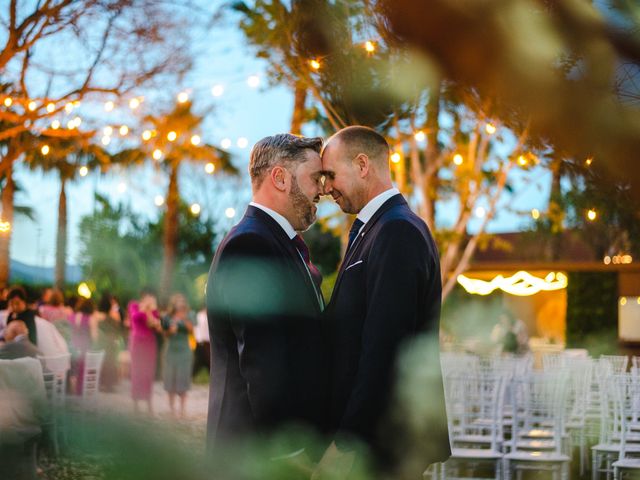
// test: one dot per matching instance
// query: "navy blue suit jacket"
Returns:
(388, 291)
(268, 354)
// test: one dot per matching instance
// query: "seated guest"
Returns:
(55, 310)
(18, 310)
(17, 343)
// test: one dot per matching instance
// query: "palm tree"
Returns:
(171, 140)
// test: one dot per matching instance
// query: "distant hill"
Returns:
(23, 273)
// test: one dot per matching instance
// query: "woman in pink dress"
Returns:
(145, 321)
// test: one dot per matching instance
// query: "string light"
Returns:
(195, 140)
(171, 136)
(588, 161)
(535, 213)
(71, 124)
(45, 150)
(480, 212)
(522, 161)
(369, 46)
(84, 291)
(5, 227)
(50, 107)
(242, 142)
(226, 143)
(457, 159)
(591, 215)
(230, 212)
(108, 106)
(134, 103)
(209, 168)
(183, 97)
(195, 209)
(607, 260)
(159, 200)
(83, 171)
(108, 130)
(32, 106)
(8, 102)
(217, 90)
(623, 301)
(315, 64)
(123, 130)
(157, 154)
(55, 124)
(521, 284)
(146, 135)
(396, 157)
(420, 136)
(490, 128)
(77, 121)
(68, 107)
(253, 81)
(106, 140)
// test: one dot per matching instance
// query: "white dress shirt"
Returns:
(283, 222)
(374, 204)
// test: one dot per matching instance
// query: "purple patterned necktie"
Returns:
(316, 276)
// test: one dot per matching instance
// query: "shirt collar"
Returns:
(283, 222)
(375, 203)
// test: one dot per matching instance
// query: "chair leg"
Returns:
(595, 464)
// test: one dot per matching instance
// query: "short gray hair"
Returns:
(281, 149)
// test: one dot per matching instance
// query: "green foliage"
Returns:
(122, 252)
(592, 311)
(324, 246)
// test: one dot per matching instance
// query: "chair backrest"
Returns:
(91, 375)
(54, 372)
(618, 362)
(625, 391)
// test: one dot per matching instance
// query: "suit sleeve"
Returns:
(249, 288)
(395, 276)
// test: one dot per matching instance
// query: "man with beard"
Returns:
(388, 290)
(264, 301)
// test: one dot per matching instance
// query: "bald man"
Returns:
(17, 345)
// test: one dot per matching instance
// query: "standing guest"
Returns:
(145, 321)
(177, 325)
(45, 297)
(203, 346)
(84, 334)
(17, 343)
(55, 310)
(108, 318)
(18, 310)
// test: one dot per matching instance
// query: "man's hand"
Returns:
(334, 464)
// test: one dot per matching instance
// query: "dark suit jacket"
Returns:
(388, 290)
(19, 349)
(268, 355)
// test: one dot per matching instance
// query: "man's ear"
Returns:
(279, 178)
(363, 164)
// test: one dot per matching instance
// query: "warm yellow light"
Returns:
(623, 301)
(8, 102)
(522, 161)
(480, 212)
(107, 130)
(230, 212)
(253, 81)
(146, 135)
(521, 284)
(84, 291)
(396, 157)
(5, 227)
(55, 125)
(83, 171)
(315, 64)
(157, 154)
(591, 215)
(638, 300)
(124, 130)
(242, 142)
(420, 136)
(51, 107)
(535, 213)
(108, 106)
(457, 159)
(106, 140)
(627, 259)
(45, 150)
(159, 200)
(195, 209)
(195, 140)
(134, 103)
(607, 260)
(183, 97)
(490, 128)
(32, 106)
(68, 107)
(588, 161)
(77, 121)
(209, 168)
(76, 103)
(171, 136)
(71, 124)
(369, 46)
(217, 90)
(226, 143)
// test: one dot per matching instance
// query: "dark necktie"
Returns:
(316, 276)
(353, 233)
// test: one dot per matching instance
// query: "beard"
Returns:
(303, 208)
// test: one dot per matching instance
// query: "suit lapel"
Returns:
(281, 236)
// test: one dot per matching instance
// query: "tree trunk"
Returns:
(300, 100)
(170, 235)
(556, 214)
(7, 216)
(432, 155)
(61, 239)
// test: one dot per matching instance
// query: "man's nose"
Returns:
(326, 187)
